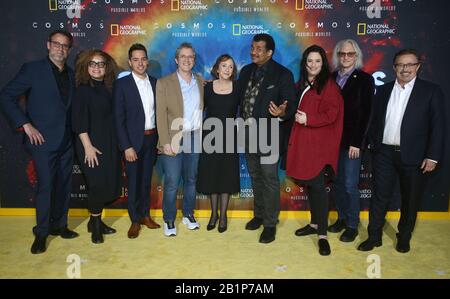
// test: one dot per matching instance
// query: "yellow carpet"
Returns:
(208, 254)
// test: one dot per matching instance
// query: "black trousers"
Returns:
(387, 167)
(266, 189)
(139, 175)
(318, 201)
(54, 174)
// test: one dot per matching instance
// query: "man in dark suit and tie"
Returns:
(48, 85)
(267, 92)
(134, 111)
(406, 136)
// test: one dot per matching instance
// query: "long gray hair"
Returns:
(338, 47)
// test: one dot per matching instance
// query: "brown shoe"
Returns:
(147, 221)
(133, 232)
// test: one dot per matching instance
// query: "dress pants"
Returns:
(387, 167)
(266, 189)
(54, 174)
(139, 175)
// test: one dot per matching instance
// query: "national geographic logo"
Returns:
(374, 29)
(117, 30)
(177, 5)
(248, 29)
(312, 4)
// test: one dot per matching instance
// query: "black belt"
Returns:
(392, 147)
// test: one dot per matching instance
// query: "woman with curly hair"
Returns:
(96, 145)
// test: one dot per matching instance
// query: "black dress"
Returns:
(219, 172)
(92, 113)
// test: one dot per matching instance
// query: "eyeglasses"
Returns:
(190, 57)
(402, 66)
(94, 64)
(58, 45)
(348, 54)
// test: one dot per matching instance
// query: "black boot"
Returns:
(95, 224)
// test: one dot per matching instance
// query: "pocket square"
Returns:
(270, 87)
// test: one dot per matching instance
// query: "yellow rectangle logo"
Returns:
(299, 4)
(236, 29)
(175, 5)
(362, 28)
(53, 5)
(114, 29)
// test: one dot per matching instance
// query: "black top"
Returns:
(219, 172)
(62, 80)
(92, 113)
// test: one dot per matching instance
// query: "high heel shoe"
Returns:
(212, 224)
(221, 227)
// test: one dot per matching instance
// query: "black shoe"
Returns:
(106, 230)
(369, 244)
(324, 247)
(306, 230)
(337, 227)
(212, 223)
(222, 227)
(39, 245)
(96, 226)
(268, 235)
(64, 232)
(402, 244)
(254, 224)
(349, 235)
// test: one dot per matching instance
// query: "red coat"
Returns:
(316, 145)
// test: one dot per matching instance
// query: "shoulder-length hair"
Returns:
(81, 68)
(322, 78)
(337, 49)
(220, 59)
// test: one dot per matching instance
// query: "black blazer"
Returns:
(422, 128)
(358, 94)
(44, 108)
(277, 86)
(129, 113)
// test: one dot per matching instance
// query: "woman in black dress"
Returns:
(96, 145)
(218, 172)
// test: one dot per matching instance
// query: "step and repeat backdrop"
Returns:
(215, 27)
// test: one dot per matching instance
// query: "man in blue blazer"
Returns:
(406, 135)
(48, 85)
(134, 112)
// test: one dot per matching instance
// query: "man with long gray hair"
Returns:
(357, 88)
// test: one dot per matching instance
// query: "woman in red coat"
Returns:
(313, 148)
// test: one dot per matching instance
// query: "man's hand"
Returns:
(130, 155)
(33, 134)
(277, 111)
(353, 152)
(167, 150)
(428, 166)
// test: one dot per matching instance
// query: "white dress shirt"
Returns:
(395, 110)
(148, 102)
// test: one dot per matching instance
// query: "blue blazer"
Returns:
(422, 128)
(129, 113)
(44, 108)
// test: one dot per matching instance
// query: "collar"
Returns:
(408, 85)
(55, 67)
(347, 74)
(138, 79)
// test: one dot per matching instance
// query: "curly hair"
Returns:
(81, 68)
